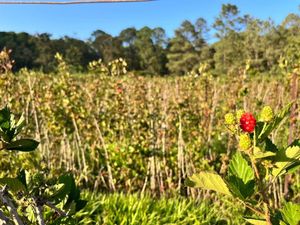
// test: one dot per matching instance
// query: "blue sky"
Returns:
(80, 21)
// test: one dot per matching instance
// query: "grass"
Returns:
(123, 209)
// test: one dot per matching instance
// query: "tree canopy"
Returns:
(237, 39)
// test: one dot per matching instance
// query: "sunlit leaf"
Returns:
(291, 213)
(209, 181)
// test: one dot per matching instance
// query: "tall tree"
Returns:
(150, 46)
(128, 38)
(229, 51)
(185, 48)
(106, 46)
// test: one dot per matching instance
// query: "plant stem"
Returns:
(253, 209)
(39, 211)
(255, 168)
(267, 214)
(253, 160)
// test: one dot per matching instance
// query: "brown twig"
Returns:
(252, 208)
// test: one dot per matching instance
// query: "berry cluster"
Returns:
(246, 122)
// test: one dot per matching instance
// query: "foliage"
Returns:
(252, 171)
(29, 198)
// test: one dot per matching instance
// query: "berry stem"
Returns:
(253, 162)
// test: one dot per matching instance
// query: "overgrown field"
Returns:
(138, 134)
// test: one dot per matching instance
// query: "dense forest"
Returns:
(237, 39)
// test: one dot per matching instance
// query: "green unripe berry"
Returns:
(239, 114)
(229, 119)
(266, 114)
(244, 142)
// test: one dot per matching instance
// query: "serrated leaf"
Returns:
(239, 189)
(14, 184)
(240, 177)
(240, 168)
(209, 181)
(270, 146)
(23, 145)
(291, 213)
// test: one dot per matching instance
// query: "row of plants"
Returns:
(134, 133)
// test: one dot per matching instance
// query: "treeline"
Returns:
(237, 39)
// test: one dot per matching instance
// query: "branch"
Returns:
(10, 206)
(39, 211)
(71, 2)
(59, 211)
(258, 212)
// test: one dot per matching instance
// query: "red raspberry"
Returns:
(247, 122)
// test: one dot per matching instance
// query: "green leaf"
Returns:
(270, 146)
(239, 188)
(209, 181)
(14, 184)
(22, 177)
(64, 190)
(256, 221)
(4, 115)
(4, 136)
(240, 177)
(291, 213)
(23, 145)
(258, 154)
(286, 159)
(240, 168)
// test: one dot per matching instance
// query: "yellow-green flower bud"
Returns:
(229, 119)
(266, 114)
(239, 114)
(244, 142)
